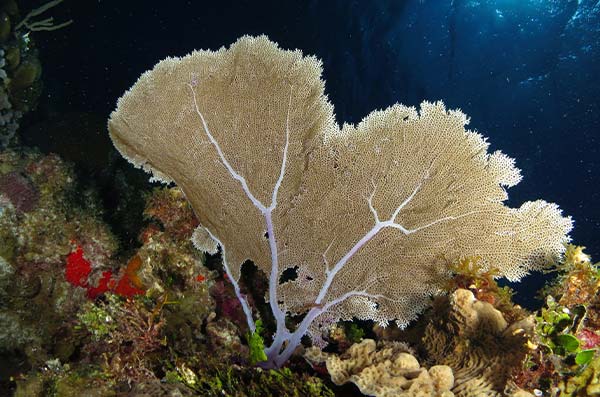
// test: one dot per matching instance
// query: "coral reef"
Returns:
(484, 347)
(78, 270)
(57, 256)
(125, 334)
(40, 219)
(222, 380)
(54, 218)
(214, 311)
(19, 191)
(174, 305)
(469, 273)
(20, 66)
(183, 331)
(173, 339)
(384, 370)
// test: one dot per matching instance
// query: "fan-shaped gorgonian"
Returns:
(362, 213)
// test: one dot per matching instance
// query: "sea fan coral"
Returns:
(359, 215)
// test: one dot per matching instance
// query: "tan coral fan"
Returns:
(366, 211)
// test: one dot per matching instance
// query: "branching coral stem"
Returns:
(368, 236)
(44, 24)
(285, 155)
(234, 174)
(296, 336)
(267, 212)
(236, 287)
(281, 333)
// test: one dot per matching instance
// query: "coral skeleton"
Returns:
(365, 217)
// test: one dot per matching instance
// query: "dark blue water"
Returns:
(525, 71)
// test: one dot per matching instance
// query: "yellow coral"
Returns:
(575, 256)
(386, 370)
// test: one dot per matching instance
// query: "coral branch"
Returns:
(370, 201)
(236, 287)
(296, 336)
(46, 24)
(256, 202)
(281, 332)
(411, 196)
(285, 155)
(369, 235)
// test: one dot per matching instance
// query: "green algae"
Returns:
(97, 320)
(249, 382)
(256, 344)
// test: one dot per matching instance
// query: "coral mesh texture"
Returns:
(369, 216)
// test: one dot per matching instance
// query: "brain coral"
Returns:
(360, 215)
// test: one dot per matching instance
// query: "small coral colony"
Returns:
(319, 262)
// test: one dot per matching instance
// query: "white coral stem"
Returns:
(267, 213)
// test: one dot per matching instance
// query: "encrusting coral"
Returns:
(385, 371)
(359, 215)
